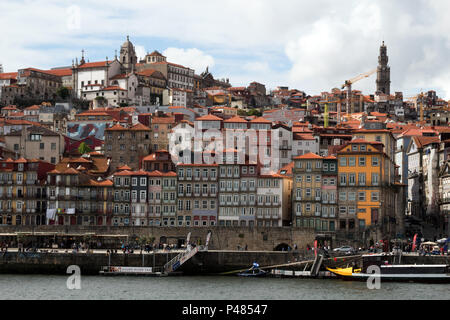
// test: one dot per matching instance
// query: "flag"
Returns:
(414, 242)
(315, 248)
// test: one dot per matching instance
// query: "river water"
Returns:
(210, 288)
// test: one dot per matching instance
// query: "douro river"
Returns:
(209, 288)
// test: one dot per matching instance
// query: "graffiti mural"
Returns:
(80, 131)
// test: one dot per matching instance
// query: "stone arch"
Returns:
(282, 246)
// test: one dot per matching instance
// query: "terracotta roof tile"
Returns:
(309, 155)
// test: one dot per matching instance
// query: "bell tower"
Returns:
(383, 72)
(128, 57)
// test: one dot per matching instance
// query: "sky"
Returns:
(312, 46)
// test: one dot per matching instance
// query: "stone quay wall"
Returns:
(222, 238)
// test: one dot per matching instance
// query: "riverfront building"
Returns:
(367, 190)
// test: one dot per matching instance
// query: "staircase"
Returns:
(180, 259)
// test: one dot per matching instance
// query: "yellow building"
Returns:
(366, 191)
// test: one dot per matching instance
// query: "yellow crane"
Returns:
(348, 84)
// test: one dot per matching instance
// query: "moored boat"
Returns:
(432, 273)
(254, 271)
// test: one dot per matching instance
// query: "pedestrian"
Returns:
(246, 247)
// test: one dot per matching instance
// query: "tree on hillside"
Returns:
(63, 92)
(83, 148)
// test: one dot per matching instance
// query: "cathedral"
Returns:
(128, 57)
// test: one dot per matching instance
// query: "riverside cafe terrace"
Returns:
(58, 240)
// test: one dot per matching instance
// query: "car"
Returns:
(436, 250)
(344, 249)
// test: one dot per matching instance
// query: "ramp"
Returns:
(316, 265)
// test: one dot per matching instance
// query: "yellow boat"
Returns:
(345, 272)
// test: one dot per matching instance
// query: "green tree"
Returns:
(254, 112)
(83, 148)
(63, 92)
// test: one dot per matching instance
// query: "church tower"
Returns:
(383, 72)
(128, 57)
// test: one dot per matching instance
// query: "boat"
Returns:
(430, 273)
(254, 271)
(131, 271)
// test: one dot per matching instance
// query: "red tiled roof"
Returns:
(111, 88)
(140, 127)
(64, 72)
(309, 155)
(209, 117)
(236, 119)
(125, 167)
(260, 120)
(162, 120)
(94, 64)
(422, 141)
(124, 173)
(34, 107)
(8, 75)
(116, 127)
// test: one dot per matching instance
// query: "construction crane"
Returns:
(348, 84)
(325, 116)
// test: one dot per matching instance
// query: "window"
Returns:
(343, 196)
(16, 147)
(41, 146)
(352, 196)
(343, 161)
(362, 161)
(351, 161)
(342, 179)
(375, 179)
(375, 196)
(352, 179)
(362, 179)
(375, 161)
(361, 196)
(363, 147)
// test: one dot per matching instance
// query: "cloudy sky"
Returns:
(309, 45)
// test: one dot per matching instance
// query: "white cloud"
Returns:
(192, 58)
(324, 42)
(140, 51)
